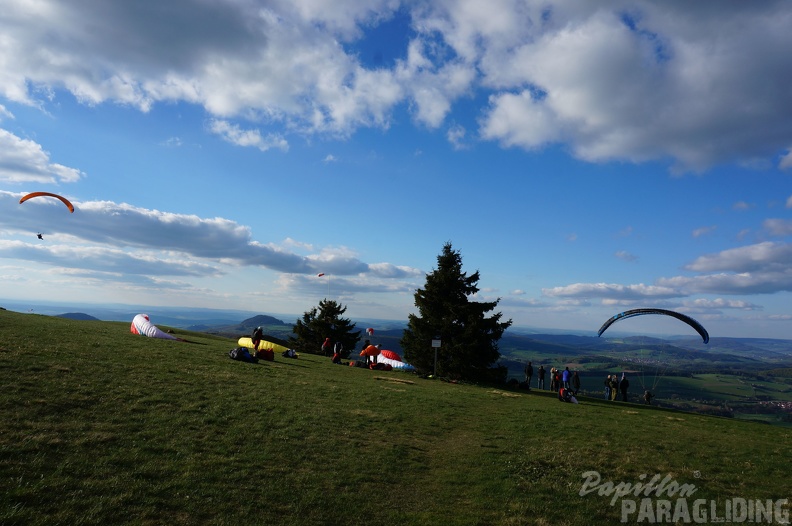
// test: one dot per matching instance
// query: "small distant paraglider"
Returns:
(48, 194)
(39, 235)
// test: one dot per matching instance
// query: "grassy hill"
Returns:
(101, 426)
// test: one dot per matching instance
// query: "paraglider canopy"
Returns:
(638, 312)
(371, 350)
(141, 324)
(48, 194)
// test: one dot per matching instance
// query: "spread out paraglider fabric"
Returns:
(639, 312)
(263, 344)
(385, 353)
(48, 194)
(394, 360)
(371, 350)
(143, 326)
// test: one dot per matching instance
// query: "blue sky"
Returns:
(584, 158)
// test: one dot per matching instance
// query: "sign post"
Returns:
(435, 346)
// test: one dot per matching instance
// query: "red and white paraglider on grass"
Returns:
(141, 324)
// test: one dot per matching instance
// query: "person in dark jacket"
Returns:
(528, 375)
(624, 384)
(256, 337)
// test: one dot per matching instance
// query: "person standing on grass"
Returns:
(540, 376)
(614, 386)
(607, 387)
(528, 375)
(565, 377)
(327, 347)
(575, 383)
(623, 385)
(256, 337)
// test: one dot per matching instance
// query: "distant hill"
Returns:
(271, 325)
(77, 316)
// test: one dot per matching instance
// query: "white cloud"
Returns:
(109, 235)
(235, 135)
(612, 291)
(388, 270)
(631, 81)
(703, 231)
(94, 259)
(519, 120)
(761, 256)
(778, 227)
(626, 256)
(626, 232)
(721, 303)
(456, 136)
(25, 161)
(767, 282)
(659, 82)
(786, 160)
(4, 113)
(172, 142)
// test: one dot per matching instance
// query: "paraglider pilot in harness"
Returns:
(256, 337)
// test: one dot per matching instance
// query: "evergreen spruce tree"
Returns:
(469, 339)
(324, 321)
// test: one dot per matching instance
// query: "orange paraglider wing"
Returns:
(48, 194)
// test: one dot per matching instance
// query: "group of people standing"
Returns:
(559, 379)
(614, 386)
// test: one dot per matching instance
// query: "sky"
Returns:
(584, 157)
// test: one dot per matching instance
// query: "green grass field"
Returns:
(101, 426)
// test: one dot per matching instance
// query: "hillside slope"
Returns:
(102, 426)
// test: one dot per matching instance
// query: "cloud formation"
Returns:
(25, 161)
(633, 81)
(112, 237)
